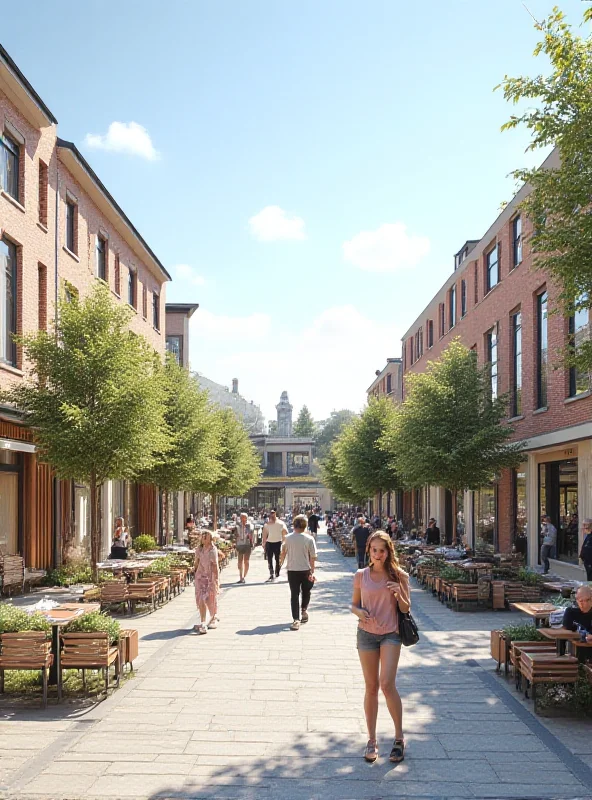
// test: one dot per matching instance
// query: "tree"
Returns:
(558, 203)
(239, 462)
(93, 397)
(305, 425)
(333, 478)
(193, 436)
(366, 467)
(450, 432)
(329, 430)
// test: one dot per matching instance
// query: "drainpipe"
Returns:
(56, 240)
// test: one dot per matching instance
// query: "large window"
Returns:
(542, 344)
(579, 332)
(463, 297)
(516, 241)
(131, 288)
(516, 399)
(101, 258)
(71, 232)
(10, 154)
(441, 319)
(492, 269)
(558, 497)
(430, 332)
(452, 307)
(492, 357)
(8, 272)
(389, 383)
(485, 519)
(174, 345)
(298, 464)
(520, 538)
(156, 310)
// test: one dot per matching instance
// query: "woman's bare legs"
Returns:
(202, 611)
(241, 557)
(247, 558)
(389, 661)
(370, 660)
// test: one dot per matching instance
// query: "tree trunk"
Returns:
(95, 532)
(454, 513)
(214, 499)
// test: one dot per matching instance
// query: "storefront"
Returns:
(485, 518)
(11, 513)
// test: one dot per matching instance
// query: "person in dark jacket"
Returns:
(361, 533)
(580, 615)
(586, 551)
(432, 533)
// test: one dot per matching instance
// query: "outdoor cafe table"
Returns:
(58, 617)
(562, 636)
(129, 566)
(538, 611)
(472, 568)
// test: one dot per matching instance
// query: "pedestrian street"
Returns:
(255, 710)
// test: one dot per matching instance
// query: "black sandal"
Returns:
(398, 752)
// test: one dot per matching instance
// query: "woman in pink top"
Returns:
(379, 590)
(207, 582)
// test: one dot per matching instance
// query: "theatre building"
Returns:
(60, 232)
(499, 305)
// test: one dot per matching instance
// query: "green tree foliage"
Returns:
(238, 461)
(357, 466)
(559, 113)
(449, 431)
(93, 397)
(193, 436)
(329, 430)
(304, 426)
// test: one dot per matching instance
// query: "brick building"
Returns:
(60, 231)
(498, 304)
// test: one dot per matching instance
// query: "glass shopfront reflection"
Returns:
(485, 519)
(10, 474)
(558, 497)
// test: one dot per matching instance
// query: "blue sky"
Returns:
(305, 170)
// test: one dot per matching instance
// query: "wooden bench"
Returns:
(547, 668)
(30, 650)
(115, 593)
(89, 651)
(128, 648)
(12, 573)
(464, 593)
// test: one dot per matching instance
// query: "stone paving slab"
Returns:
(255, 711)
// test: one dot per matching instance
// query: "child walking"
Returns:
(207, 582)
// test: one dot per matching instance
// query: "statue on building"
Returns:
(284, 416)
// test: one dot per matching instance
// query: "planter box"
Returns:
(499, 647)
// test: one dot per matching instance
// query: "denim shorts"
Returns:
(374, 641)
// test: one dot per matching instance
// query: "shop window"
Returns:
(485, 519)
(558, 497)
(9, 511)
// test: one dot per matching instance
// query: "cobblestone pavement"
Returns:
(254, 710)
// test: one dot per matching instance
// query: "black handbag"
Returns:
(408, 630)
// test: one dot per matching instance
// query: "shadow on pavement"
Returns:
(263, 630)
(165, 635)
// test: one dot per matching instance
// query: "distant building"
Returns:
(246, 410)
(177, 330)
(388, 381)
(284, 416)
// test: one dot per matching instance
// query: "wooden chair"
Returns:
(128, 648)
(115, 593)
(142, 592)
(30, 650)
(547, 668)
(516, 650)
(463, 593)
(12, 573)
(89, 651)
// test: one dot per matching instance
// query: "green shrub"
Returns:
(529, 577)
(162, 566)
(68, 574)
(454, 575)
(95, 622)
(144, 543)
(525, 632)
(16, 620)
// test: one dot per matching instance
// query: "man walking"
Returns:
(274, 533)
(586, 551)
(549, 532)
(313, 524)
(361, 533)
(300, 550)
(244, 545)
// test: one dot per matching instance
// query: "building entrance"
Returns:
(558, 497)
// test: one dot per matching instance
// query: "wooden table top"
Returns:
(475, 565)
(66, 612)
(534, 609)
(559, 633)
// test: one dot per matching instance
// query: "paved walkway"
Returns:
(254, 710)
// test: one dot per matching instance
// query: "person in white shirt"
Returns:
(300, 550)
(274, 533)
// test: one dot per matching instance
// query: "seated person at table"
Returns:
(582, 613)
(432, 534)
(121, 539)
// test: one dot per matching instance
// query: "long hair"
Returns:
(392, 562)
(202, 540)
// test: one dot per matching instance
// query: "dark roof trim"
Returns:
(94, 177)
(181, 308)
(13, 67)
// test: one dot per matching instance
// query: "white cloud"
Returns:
(187, 274)
(124, 137)
(327, 361)
(273, 223)
(387, 249)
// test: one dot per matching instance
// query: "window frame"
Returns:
(430, 333)
(72, 227)
(451, 307)
(9, 356)
(489, 267)
(132, 288)
(101, 239)
(492, 346)
(517, 249)
(156, 311)
(177, 354)
(463, 298)
(572, 373)
(542, 380)
(7, 143)
(516, 350)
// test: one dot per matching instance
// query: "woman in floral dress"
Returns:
(207, 582)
